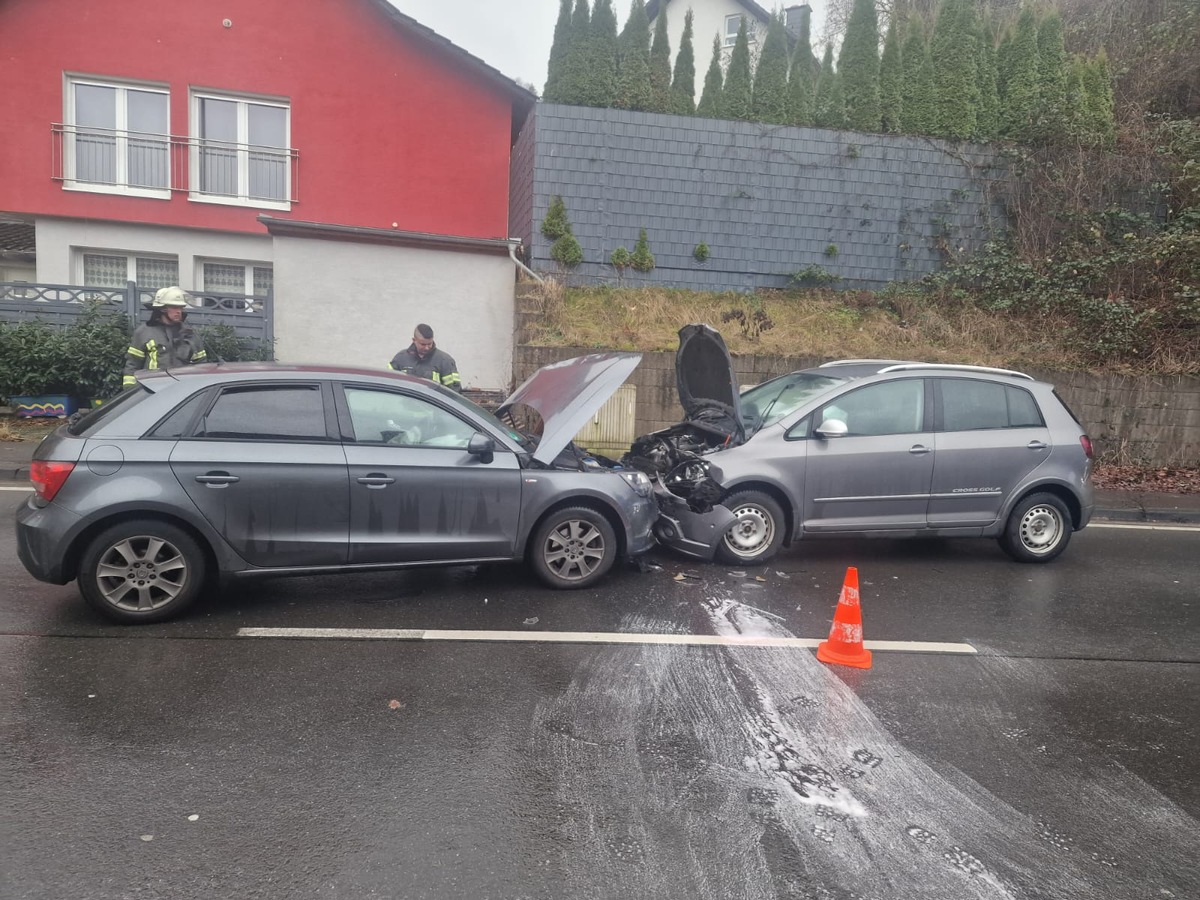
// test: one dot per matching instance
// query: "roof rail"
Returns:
(856, 362)
(956, 368)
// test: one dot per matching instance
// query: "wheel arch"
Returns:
(1059, 490)
(599, 506)
(88, 534)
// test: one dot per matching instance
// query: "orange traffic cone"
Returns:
(845, 644)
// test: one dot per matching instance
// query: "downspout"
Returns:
(513, 244)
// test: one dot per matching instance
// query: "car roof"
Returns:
(863, 368)
(268, 370)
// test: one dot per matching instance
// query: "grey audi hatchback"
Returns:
(867, 448)
(261, 469)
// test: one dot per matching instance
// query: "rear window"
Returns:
(267, 413)
(972, 405)
(90, 421)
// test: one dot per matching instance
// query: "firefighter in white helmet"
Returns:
(166, 340)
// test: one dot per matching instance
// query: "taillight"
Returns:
(1086, 442)
(48, 476)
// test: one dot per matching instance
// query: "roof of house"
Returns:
(17, 237)
(523, 98)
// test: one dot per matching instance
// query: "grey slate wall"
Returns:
(768, 200)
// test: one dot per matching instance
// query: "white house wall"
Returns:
(60, 240)
(346, 303)
(708, 22)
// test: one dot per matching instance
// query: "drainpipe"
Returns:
(513, 244)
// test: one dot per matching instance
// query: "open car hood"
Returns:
(708, 389)
(566, 394)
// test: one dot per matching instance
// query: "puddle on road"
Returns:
(700, 771)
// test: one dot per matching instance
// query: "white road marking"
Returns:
(22, 489)
(1143, 527)
(584, 637)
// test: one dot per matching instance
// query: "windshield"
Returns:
(778, 398)
(466, 402)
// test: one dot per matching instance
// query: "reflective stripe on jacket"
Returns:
(161, 347)
(438, 366)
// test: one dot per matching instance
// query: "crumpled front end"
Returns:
(691, 518)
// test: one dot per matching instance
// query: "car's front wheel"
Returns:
(141, 571)
(757, 532)
(1038, 529)
(573, 548)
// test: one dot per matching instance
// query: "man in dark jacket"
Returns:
(424, 360)
(166, 340)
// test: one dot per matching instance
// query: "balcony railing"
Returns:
(157, 164)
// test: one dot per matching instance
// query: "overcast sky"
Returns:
(514, 36)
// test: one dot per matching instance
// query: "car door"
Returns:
(263, 464)
(877, 475)
(990, 436)
(415, 492)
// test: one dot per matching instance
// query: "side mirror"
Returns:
(832, 428)
(482, 446)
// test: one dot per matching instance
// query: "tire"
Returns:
(142, 571)
(573, 548)
(1038, 529)
(757, 534)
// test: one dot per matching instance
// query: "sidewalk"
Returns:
(1119, 506)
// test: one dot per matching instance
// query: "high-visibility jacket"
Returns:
(161, 347)
(438, 366)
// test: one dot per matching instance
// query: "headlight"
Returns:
(637, 480)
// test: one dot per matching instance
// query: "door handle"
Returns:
(919, 449)
(1036, 445)
(217, 479)
(374, 481)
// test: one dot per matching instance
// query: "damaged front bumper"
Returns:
(681, 528)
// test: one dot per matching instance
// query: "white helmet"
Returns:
(171, 296)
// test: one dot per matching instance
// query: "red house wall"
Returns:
(388, 127)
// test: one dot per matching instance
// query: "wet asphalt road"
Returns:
(183, 760)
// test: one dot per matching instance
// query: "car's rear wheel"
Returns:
(1038, 530)
(142, 571)
(573, 548)
(757, 533)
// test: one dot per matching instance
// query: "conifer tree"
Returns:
(830, 108)
(803, 53)
(891, 80)
(916, 105)
(660, 64)
(1019, 104)
(802, 86)
(710, 98)
(858, 67)
(601, 88)
(573, 86)
(1004, 57)
(953, 51)
(737, 99)
(683, 85)
(1052, 72)
(1097, 85)
(771, 77)
(558, 53)
(633, 81)
(1075, 100)
(987, 122)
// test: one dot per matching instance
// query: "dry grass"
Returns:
(818, 323)
(34, 429)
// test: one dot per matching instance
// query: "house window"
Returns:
(113, 270)
(233, 277)
(240, 151)
(732, 24)
(116, 138)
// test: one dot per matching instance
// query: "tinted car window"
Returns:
(970, 405)
(267, 412)
(177, 423)
(391, 418)
(893, 407)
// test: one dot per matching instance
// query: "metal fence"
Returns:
(62, 304)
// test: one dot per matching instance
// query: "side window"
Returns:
(292, 412)
(972, 405)
(383, 417)
(177, 422)
(894, 407)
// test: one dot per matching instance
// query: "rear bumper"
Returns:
(43, 536)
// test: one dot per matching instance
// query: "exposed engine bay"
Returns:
(675, 457)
